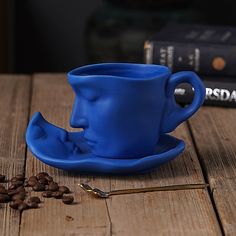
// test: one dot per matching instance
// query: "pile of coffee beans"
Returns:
(18, 188)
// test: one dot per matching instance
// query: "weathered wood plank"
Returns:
(14, 110)
(179, 212)
(53, 97)
(214, 131)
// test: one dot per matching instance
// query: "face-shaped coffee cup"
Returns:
(124, 108)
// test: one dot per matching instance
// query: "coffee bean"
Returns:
(18, 201)
(13, 179)
(32, 204)
(12, 192)
(2, 178)
(4, 198)
(64, 189)
(3, 189)
(43, 181)
(47, 194)
(69, 218)
(49, 178)
(57, 194)
(17, 183)
(12, 186)
(33, 178)
(15, 204)
(22, 206)
(53, 186)
(20, 177)
(41, 175)
(32, 183)
(18, 196)
(34, 199)
(38, 187)
(67, 199)
(21, 189)
(16, 191)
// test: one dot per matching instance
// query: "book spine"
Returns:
(207, 59)
(217, 93)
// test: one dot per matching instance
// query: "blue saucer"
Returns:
(69, 151)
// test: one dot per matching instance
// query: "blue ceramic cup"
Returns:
(124, 108)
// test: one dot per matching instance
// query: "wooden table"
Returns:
(209, 157)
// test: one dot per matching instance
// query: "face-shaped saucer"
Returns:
(69, 151)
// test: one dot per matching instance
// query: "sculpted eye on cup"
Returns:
(88, 94)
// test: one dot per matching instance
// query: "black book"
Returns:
(208, 50)
(219, 92)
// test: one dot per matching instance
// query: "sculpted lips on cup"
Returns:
(89, 141)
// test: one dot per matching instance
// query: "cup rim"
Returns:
(152, 71)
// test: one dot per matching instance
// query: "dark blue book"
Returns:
(205, 49)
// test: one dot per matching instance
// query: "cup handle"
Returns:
(174, 114)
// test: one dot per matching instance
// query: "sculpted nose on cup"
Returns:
(78, 116)
(78, 122)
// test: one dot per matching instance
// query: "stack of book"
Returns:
(210, 51)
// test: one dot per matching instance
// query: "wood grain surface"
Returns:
(14, 109)
(210, 156)
(181, 212)
(91, 216)
(214, 131)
